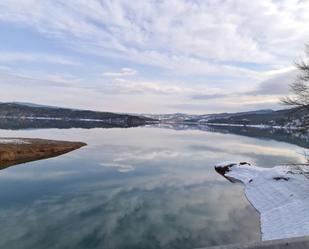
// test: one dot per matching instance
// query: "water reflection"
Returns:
(116, 217)
(122, 191)
(284, 135)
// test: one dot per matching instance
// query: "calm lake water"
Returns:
(133, 188)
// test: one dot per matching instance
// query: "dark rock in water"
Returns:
(222, 170)
(21, 150)
(281, 178)
(244, 163)
(225, 168)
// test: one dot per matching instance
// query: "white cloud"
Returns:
(233, 45)
(122, 73)
(160, 87)
(36, 57)
(36, 78)
(260, 32)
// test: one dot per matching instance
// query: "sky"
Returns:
(151, 56)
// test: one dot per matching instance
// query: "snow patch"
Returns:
(280, 194)
(13, 141)
(259, 126)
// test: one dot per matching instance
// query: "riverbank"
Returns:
(280, 195)
(20, 150)
(291, 243)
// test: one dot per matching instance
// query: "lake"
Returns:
(144, 187)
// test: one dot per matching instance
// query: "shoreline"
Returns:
(21, 150)
(279, 194)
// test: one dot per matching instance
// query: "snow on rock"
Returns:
(12, 141)
(280, 194)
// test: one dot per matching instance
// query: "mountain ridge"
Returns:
(269, 117)
(15, 110)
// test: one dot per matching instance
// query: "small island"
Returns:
(21, 150)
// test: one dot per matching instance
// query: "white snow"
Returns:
(259, 126)
(53, 118)
(283, 204)
(12, 141)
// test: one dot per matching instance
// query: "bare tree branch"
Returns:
(300, 88)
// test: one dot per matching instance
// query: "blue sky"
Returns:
(151, 56)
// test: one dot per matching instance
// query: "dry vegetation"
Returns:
(33, 149)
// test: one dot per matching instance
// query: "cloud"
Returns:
(34, 78)
(142, 86)
(277, 85)
(134, 86)
(266, 94)
(178, 48)
(36, 57)
(122, 73)
(171, 30)
(208, 96)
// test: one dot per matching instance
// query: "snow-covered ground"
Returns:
(52, 118)
(280, 194)
(12, 141)
(259, 126)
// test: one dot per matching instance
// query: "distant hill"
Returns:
(286, 117)
(37, 112)
(174, 117)
(182, 117)
(33, 115)
(32, 104)
(225, 116)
